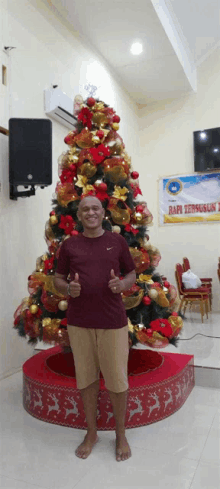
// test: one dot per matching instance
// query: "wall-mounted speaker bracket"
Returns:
(14, 193)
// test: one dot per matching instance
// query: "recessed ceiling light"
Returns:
(136, 48)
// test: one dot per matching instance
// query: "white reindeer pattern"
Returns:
(170, 398)
(39, 402)
(156, 405)
(179, 393)
(74, 409)
(55, 407)
(138, 409)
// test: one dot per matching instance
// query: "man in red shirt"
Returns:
(96, 317)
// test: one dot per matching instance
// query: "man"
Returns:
(96, 318)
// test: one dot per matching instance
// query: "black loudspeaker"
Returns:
(30, 152)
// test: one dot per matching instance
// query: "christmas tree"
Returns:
(97, 164)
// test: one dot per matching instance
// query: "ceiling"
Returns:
(177, 35)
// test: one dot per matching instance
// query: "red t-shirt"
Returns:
(93, 258)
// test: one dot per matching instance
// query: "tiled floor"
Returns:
(180, 452)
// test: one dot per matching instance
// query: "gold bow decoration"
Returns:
(82, 183)
(116, 174)
(176, 323)
(119, 216)
(154, 341)
(145, 278)
(133, 301)
(120, 193)
(47, 281)
(66, 193)
(87, 169)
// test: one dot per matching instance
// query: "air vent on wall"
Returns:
(59, 106)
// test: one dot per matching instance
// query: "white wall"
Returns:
(46, 53)
(166, 146)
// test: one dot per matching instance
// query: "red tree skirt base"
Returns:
(159, 384)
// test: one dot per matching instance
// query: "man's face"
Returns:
(91, 213)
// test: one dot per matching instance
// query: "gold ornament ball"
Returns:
(46, 322)
(153, 294)
(33, 308)
(138, 216)
(63, 305)
(115, 126)
(116, 229)
(74, 159)
(96, 140)
(53, 220)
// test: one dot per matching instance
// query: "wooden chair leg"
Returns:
(207, 307)
(201, 308)
(185, 306)
(181, 303)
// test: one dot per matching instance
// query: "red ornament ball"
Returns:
(72, 167)
(139, 208)
(116, 118)
(134, 175)
(156, 285)
(90, 101)
(149, 332)
(52, 213)
(100, 134)
(174, 313)
(74, 233)
(103, 186)
(146, 300)
(166, 284)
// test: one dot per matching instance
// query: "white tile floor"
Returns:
(180, 452)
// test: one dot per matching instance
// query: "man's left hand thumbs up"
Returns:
(115, 283)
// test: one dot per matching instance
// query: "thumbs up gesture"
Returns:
(75, 286)
(115, 283)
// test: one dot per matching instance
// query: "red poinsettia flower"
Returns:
(131, 229)
(67, 223)
(67, 176)
(136, 190)
(162, 326)
(99, 153)
(48, 264)
(85, 116)
(101, 193)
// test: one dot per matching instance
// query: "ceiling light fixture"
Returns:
(136, 48)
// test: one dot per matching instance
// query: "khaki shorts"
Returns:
(100, 349)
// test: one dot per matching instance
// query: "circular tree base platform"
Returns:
(159, 384)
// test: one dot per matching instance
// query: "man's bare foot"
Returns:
(84, 450)
(123, 451)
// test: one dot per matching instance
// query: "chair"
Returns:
(188, 296)
(206, 282)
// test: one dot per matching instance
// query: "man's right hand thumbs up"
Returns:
(75, 287)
